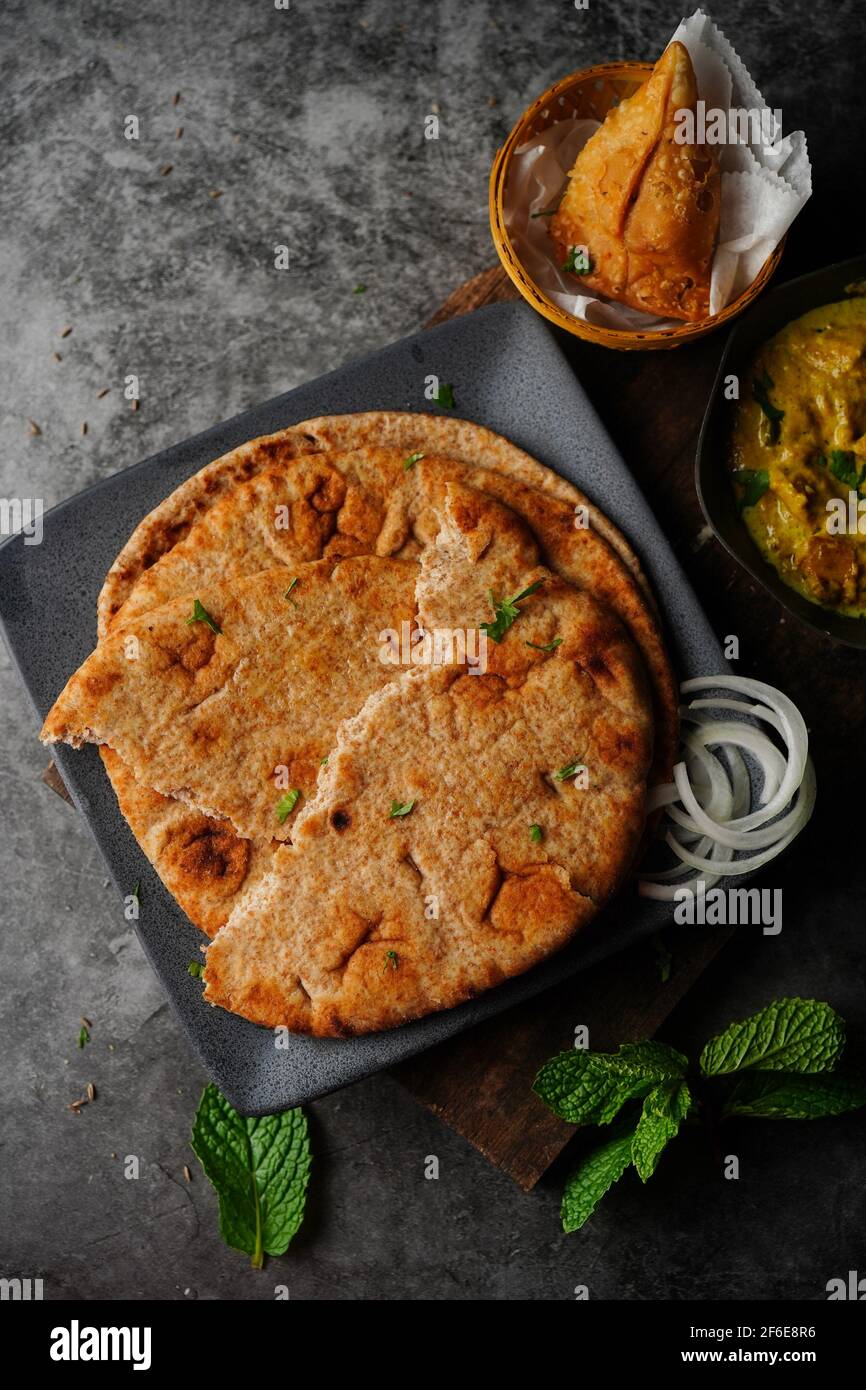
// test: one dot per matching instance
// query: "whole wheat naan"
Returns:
(231, 720)
(463, 440)
(498, 853)
(349, 502)
(478, 759)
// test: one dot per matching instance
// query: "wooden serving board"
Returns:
(480, 1083)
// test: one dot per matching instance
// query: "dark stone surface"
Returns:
(310, 122)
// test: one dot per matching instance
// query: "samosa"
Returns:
(643, 205)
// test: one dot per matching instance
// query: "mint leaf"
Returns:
(664, 1110)
(260, 1170)
(592, 1178)
(790, 1096)
(753, 483)
(802, 1035)
(591, 1087)
(201, 615)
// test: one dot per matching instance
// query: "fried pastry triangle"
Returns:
(644, 205)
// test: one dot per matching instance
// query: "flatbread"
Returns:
(367, 501)
(344, 502)
(169, 522)
(204, 864)
(229, 721)
(369, 919)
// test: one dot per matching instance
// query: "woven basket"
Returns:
(591, 93)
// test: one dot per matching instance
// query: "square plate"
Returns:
(508, 373)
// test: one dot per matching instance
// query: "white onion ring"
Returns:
(707, 804)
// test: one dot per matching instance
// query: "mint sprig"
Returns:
(260, 1169)
(590, 1088)
(800, 1035)
(592, 1178)
(778, 1064)
(791, 1096)
(664, 1110)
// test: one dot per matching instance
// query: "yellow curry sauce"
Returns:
(799, 442)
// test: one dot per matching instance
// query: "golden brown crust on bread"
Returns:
(228, 721)
(367, 920)
(203, 863)
(171, 520)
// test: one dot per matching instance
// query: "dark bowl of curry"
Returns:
(781, 462)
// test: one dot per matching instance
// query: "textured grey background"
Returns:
(310, 122)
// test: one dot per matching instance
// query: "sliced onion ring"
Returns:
(707, 804)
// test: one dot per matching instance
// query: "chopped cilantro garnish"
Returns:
(288, 593)
(324, 761)
(445, 395)
(578, 261)
(843, 465)
(507, 612)
(196, 969)
(570, 770)
(392, 959)
(286, 804)
(548, 646)
(535, 834)
(411, 460)
(760, 387)
(84, 1035)
(753, 482)
(201, 615)
(400, 808)
(359, 289)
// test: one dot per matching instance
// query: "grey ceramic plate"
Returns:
(508, 373)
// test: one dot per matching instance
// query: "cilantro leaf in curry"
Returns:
(761, 387)
(753, 483)
(843, 465)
